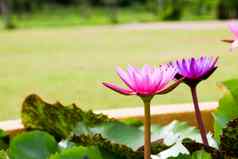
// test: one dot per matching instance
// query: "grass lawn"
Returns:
(69, 64)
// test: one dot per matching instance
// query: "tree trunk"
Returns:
(112, 6)
(84, 8)
(113, 11)
(6, 14)
(153, 6)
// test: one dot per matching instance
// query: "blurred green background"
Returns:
(53, 51)
(58, 13)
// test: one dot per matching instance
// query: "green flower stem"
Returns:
(147, 124)
(199, 116)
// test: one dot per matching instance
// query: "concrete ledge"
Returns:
(159, 114)
(12, 126)
(164, 114)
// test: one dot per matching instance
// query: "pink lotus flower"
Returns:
(194, 70)
(147, 81)
(234, 29)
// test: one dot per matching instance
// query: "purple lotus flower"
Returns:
(234, 29)
(194, 70)
(147, 81)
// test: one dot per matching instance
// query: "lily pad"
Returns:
(80, 152)
(120, 133)
(55, 118)
(90, 129)
(32, 145)
(228, 107)
(117, 151)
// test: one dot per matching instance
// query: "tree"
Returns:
(172, 9)
(6, 14)
(152, 6)
(113, 10)
(227, 9)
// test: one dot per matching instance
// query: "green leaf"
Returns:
(228, 106)
(117, 151)
(232, 87)
(116, 137)
(120, 133)
(193, 146)
(55, 118)
(3, 154)
(133, 137)
(4, 140)
(115, 134)
(133, 122)
(201, 155)
(80, 152)
(220, 121)
(174, 151)
(181, 156)
(32, 145)
(196, 155)
(229, 139)
(3, 134)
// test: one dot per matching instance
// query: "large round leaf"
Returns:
(228, 106)
(134, 137)
(32, 145)
(80, 152)
(121, 133)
